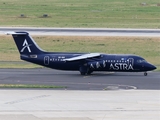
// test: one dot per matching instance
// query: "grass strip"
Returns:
(147, 47)
(18, 64)
(81, 13)
(31, 86)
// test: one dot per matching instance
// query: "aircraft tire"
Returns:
(145, 74)
(89, 72)
(84, 70)
(83, 73)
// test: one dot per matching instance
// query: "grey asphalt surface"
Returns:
(78, 29)
(74, 81)
(84, 31)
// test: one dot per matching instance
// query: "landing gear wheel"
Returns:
(83, 73)
(145, 74)
(89, 72)
(84, 70)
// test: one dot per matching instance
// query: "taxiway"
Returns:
(84, 31)
(75, 81)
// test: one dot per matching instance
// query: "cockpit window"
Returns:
(141, 61)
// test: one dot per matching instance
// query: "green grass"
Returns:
(17, 64)
(148, 48)
(30, 86)
(81, 13)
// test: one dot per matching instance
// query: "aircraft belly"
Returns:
(65, 66)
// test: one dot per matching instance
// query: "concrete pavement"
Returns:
(79, 105)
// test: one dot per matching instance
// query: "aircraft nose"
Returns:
(150, 67)
(154, 67)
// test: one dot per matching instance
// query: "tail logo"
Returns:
(26, 45)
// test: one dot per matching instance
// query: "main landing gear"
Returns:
(145, 73)
(84, 70)
(86, 73)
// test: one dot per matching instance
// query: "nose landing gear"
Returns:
(145, 74)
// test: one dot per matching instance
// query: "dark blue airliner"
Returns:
(86, 63)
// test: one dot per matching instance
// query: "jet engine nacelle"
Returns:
(97, 64)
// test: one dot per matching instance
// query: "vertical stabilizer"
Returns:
(25, 44)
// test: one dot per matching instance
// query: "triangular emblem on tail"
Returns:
(26, 45)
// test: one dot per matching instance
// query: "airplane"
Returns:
(85, 63)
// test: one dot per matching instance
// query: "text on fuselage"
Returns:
(114, 64)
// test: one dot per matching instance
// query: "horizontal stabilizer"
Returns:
(16, 33)
(84, 56)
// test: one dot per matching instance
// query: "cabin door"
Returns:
(131, 61)
(46, 60)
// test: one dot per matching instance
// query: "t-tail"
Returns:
(25, 43)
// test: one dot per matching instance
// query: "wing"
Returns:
(84, 56)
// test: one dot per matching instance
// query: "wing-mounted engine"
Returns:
(89, 67)
(96, 65)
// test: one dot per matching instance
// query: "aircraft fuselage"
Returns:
(106, 62)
